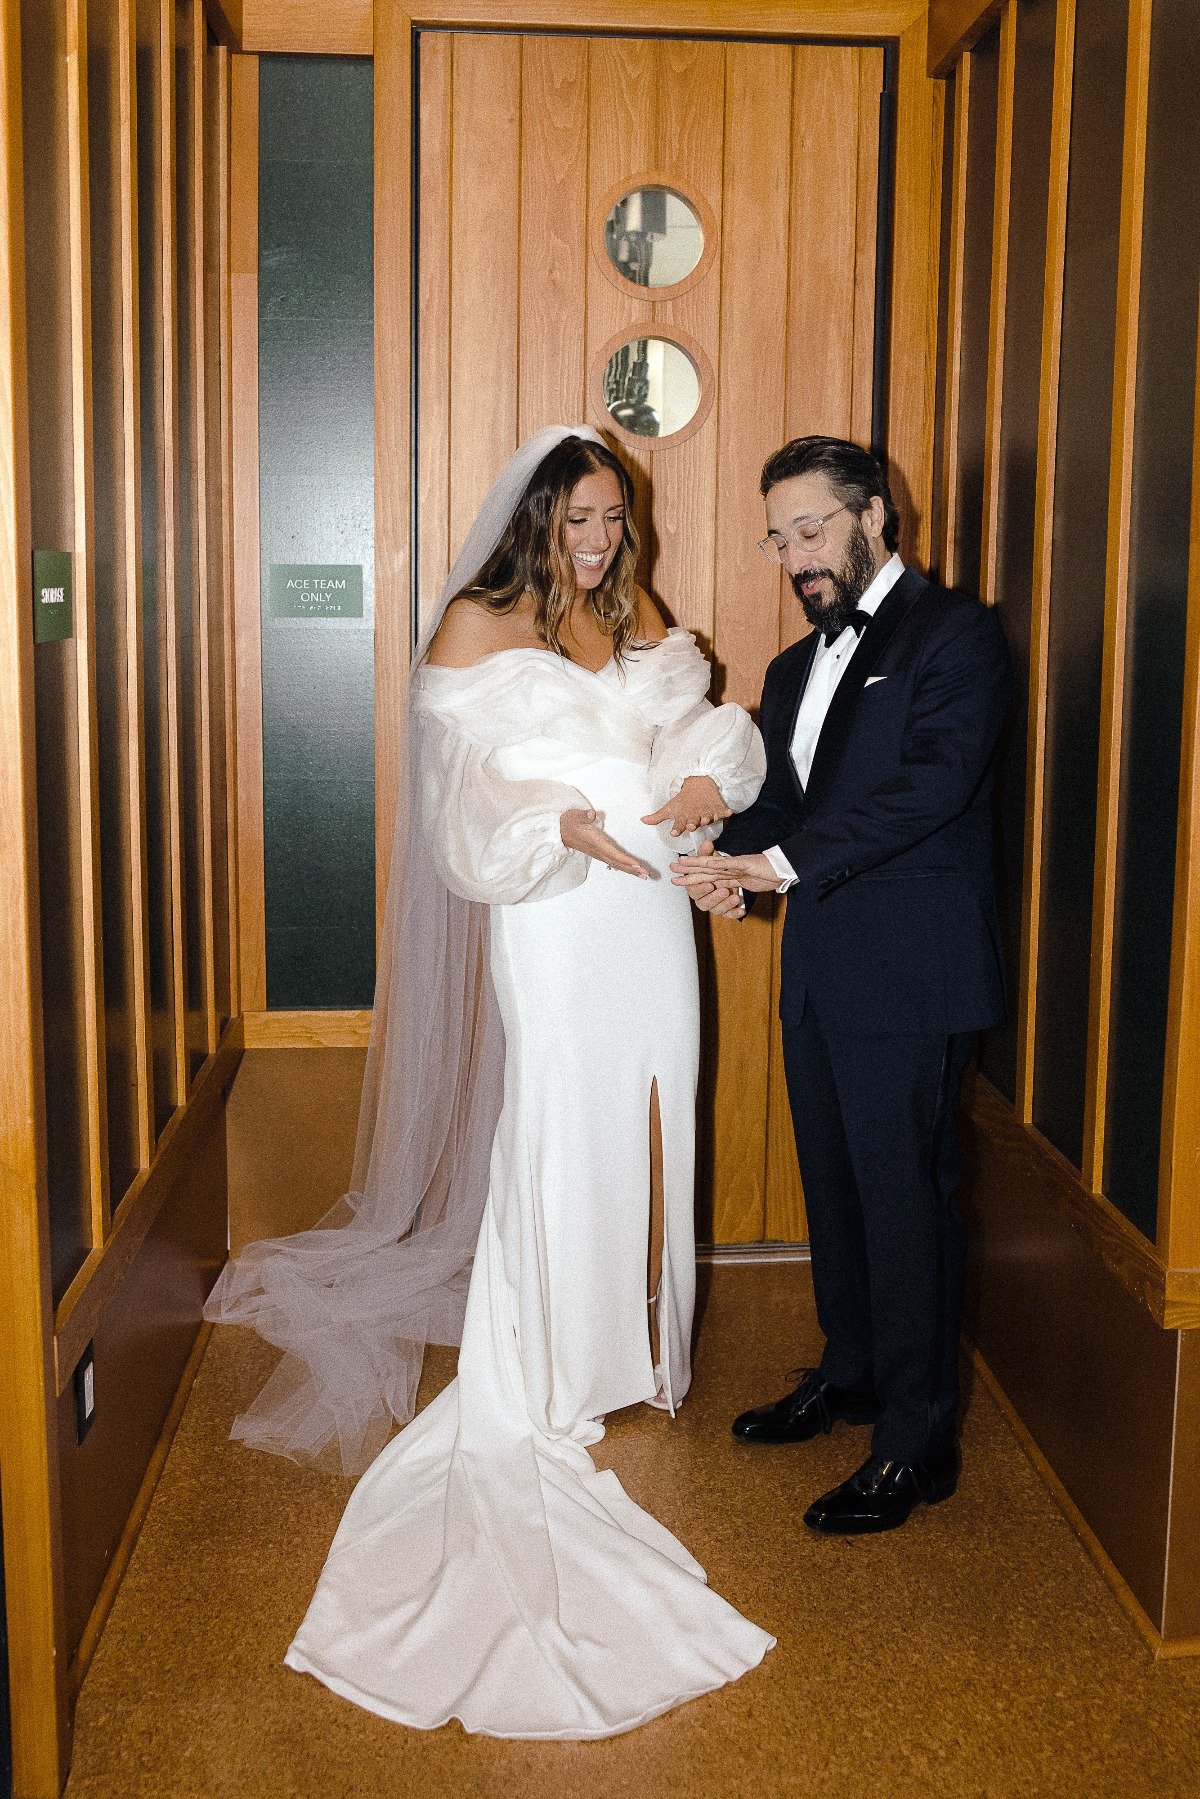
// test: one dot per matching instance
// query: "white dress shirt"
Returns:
(829, 664)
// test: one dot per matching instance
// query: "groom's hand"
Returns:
(754, 873)
(719, 897)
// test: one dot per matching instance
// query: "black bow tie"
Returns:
(858, 622)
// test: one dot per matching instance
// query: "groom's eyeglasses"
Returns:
(805, 534)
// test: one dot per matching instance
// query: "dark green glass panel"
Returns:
(187, 564)
(976, 305)
(55, 665)
(1077, 582)
(218, 603)
(1025, 287)
(316, 440)
(110, 594)
(1156, 620)
(154, 584)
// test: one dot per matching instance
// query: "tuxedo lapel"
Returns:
(788, 713)
(871, 645)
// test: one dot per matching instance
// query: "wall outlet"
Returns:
(85, 1393)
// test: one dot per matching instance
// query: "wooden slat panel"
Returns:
(433, 317)
(553, 258)
(750, 422)
(243, 284)
(995, 361)
(689, 148)
(913, 346)
(870, 88)
(954, 27)
(486, 188)
(956, 250)
(1039, 629)
(624, 83)
(1116, 585)
(85, 621)
(1179, 1164)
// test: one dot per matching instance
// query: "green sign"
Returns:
(316, 590)
(52, 621)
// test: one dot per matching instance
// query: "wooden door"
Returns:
(525, 142)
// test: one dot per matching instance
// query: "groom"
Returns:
(876, 821)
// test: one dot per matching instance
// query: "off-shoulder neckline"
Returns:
(531, 649)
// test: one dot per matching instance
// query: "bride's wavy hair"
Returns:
(532, 556)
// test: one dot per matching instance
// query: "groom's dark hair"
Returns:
(852, 472)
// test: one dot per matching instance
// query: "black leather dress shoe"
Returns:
(816, 1405)
(880, 1495)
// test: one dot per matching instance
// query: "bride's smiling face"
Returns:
(594, 525)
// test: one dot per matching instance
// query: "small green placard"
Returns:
(52, 621)
(316, 590)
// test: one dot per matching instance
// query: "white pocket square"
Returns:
(871, 680)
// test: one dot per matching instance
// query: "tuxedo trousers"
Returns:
(877, 1141)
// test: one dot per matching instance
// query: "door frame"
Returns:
(912, 322)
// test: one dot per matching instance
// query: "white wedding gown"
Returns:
(484, 1569)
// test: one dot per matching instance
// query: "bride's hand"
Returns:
(581, 831)
(697, 803)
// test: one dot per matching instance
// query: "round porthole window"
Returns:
(652, 385)
(653, 237)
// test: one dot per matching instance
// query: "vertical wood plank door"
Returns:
(525, 143)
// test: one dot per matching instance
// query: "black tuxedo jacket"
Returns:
(891, 926)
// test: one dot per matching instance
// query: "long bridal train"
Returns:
(484, 1569)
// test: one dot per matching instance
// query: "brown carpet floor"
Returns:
(977, 1651)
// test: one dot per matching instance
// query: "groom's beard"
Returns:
(849, 584)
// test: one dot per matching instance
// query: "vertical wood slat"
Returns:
(870, 90)
(1039, 629)
(623, 95)
(28, 1472)
(393, 423)
(912, 351)
(689, 145)
(956, 252)
(84, 614)
(434, 346)
(132, 491)
(1178, 1232)
(755, 258)
(197, 31)
(225, 389)
(169, 526)
(243, 285)
(484, 239)
(1116, 586)
(998, 302)
(553, 248)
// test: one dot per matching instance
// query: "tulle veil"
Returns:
(353, 1301)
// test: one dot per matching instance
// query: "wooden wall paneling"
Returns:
(1179, 1162)
(136, 706)
(436, 91)
(870, 89)
(554, 233)
(954, 27)
(996, 311)
(169, 529)
(1039, 629)
(393, 421)
(955, 251)
(1116, 585)
(484, 240)
(191, 17)
(689, 149)
(913, 340)
(94, 1024)
(28, 1473)
(751, 417)
(243, 286)
(625, 78)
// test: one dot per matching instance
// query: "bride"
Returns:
(527, 1126)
